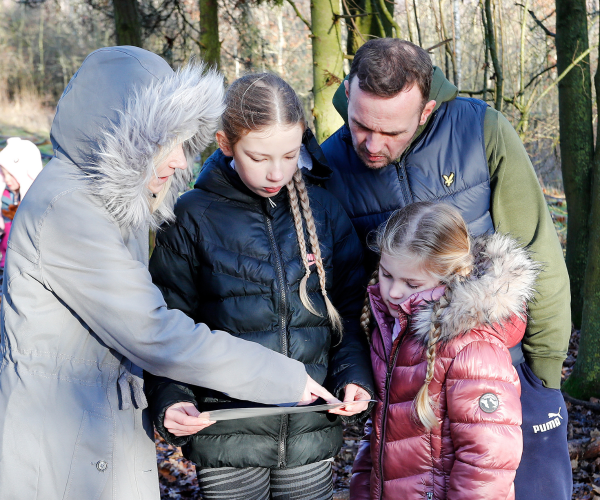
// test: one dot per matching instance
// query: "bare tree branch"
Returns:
(538, 22)
(299, 14)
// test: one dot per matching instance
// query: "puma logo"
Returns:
(448, 179)
(554, 415)
(553, 423)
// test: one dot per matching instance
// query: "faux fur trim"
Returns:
(184, 107)
(501, 284)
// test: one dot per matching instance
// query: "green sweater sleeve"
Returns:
(518, 208)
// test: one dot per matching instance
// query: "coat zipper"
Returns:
(403, 179)
(283, 335)
(429, 495)
(388, 378)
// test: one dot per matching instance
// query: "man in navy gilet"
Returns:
(407, 138)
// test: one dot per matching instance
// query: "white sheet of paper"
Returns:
(235, 413)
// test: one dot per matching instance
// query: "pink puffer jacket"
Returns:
(475, 451)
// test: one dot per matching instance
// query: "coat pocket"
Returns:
(92, 458)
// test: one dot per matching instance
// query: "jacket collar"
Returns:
(492, 296)
(218, 177)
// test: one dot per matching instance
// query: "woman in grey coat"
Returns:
(81, 317)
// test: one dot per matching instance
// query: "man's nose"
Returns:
(374, 143)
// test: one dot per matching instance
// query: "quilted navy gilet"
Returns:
(446, 163)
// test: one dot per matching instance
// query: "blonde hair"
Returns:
(255, 102)
(163, 153)
(436, 238)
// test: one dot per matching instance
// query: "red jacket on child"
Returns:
(474, 452)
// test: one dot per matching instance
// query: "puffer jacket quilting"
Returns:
(472, 454)
(234, 263)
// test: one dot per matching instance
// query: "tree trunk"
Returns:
(584, 381)
(359, 27)
(576, 140)
(493, 46)
(457, 52)
(328, 65)
(128, 28)
(210, 45)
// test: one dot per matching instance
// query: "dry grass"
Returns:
(28, 112)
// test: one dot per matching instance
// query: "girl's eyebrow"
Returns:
(256, 153)
(383, 268)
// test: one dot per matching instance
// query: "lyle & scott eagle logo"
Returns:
(448, 179)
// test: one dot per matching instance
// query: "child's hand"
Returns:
(181, 419)
(353, 392)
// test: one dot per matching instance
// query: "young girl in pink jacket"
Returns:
(441, 312)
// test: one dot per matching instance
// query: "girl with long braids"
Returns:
(441, 312)
(265, 256)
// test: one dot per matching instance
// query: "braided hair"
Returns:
(436, 238)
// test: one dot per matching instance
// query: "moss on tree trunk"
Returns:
(584, 381)
(210, 44)
(328, 68)
(576, 139)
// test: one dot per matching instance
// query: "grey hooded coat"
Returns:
(81, 317)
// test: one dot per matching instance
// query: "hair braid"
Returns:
(332, 313)
(293, 196)
(423, 403)
(365, 317)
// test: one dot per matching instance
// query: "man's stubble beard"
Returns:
(361, 153)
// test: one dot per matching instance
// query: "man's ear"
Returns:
(347, 87)
(427, 110)
(224, 143)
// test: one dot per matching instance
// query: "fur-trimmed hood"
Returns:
(118, 111)
(498, 289)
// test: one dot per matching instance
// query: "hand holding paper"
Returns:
(353, 392)
(181, 419)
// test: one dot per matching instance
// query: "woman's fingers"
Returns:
(181, 419)
(313, 391)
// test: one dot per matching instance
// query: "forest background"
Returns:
(532, 59)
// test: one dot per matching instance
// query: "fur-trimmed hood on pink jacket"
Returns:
(476, 449)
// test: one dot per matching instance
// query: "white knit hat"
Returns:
(22, 159)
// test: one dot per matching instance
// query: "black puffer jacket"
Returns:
(232, 261)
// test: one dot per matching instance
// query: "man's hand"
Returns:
(353, 392)
(181, 419)
(313, 391)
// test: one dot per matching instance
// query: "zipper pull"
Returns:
(429, 495)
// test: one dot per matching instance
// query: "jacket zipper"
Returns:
(429, 495)
(403, 179)
(283, 335)
(388, 378)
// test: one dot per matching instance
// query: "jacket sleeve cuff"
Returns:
(548, 370)
(172, 439)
